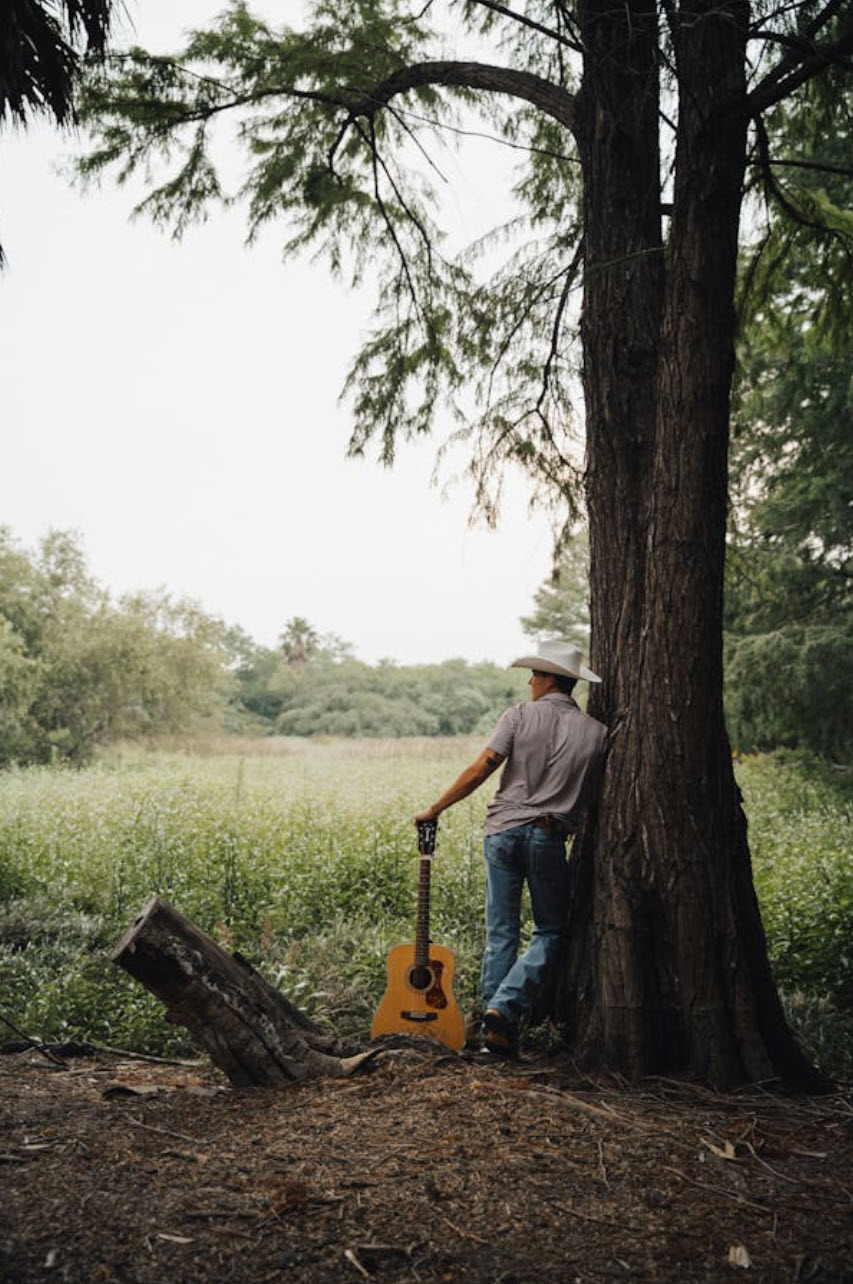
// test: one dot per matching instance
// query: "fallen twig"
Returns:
(145, 1056)
(215, 1214)
(589, 1217)
(478, 1239)
(719, 1190)
(612, 1116)
(352, 1258)
(567, 1099)
(384, 1248)
(782, 1176)
(33, 1043)
(601, 1167)
(166, 1132)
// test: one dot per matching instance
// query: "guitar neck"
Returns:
(422, 920)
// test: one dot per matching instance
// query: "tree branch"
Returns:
(846, 171)
(551, 99)
(810, 30)
(183, 114)
(524, 21)
(538, 292)
(803, 61)
(553, 353)
(376, 161)
(403, 113)
(779, 192)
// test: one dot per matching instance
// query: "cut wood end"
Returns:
(127, 945)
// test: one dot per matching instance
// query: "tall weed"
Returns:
(302, 856)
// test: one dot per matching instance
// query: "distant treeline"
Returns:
(78, 670)
(340, 696)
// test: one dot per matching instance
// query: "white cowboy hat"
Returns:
(557, 657)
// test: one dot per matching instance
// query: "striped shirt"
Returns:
(553, 753)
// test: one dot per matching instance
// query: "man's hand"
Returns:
(429, 814)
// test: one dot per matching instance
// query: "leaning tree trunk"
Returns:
(250, 1030)
(668, 965)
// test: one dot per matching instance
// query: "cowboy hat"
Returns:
(557, 657)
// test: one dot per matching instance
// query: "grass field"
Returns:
(299, 853)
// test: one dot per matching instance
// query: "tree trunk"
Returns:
(253, 1033)
(607, 991)
(667, 967)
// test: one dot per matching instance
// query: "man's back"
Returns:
(553, 753)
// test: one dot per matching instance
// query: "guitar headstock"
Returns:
(427, 830)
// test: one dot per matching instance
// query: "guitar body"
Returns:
(419, 998)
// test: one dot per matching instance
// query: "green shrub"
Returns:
(801, 837)
(792, 687)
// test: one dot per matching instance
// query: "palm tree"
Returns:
(299, 641)
(41, 43)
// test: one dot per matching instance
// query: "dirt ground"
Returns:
(428, 1168)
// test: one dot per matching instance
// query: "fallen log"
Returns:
(250, 1030)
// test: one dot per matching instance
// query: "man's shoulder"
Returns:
(566, 704)
(593, 726)
(600, 726)
(513, 711)
(505, 728)
(593, 731)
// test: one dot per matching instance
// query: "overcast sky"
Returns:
(177, 405)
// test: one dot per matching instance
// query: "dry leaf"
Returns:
(738, 1256)
(726, 1152)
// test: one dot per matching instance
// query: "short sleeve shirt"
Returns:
(553, 753)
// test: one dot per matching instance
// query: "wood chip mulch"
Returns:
(429, 1169)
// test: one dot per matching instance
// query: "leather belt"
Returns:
(551, 824)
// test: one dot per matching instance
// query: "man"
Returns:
(553, 754)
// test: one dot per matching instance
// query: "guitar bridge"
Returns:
(419, 1016)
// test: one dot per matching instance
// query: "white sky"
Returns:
(177, 405)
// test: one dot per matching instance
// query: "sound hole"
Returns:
(420, 977)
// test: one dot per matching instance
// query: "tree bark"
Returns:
(693, 825)
(608, 991)
(550, 98)
(667, 967)
(250, 1030)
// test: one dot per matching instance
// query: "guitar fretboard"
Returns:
(422, 920)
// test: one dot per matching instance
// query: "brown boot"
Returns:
(500, 1035)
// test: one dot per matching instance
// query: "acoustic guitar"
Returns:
(419, 996)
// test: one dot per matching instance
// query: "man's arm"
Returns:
(469, 780)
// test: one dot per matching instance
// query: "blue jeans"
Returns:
(531, 853)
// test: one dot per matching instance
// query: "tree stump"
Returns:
(250, 1031)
